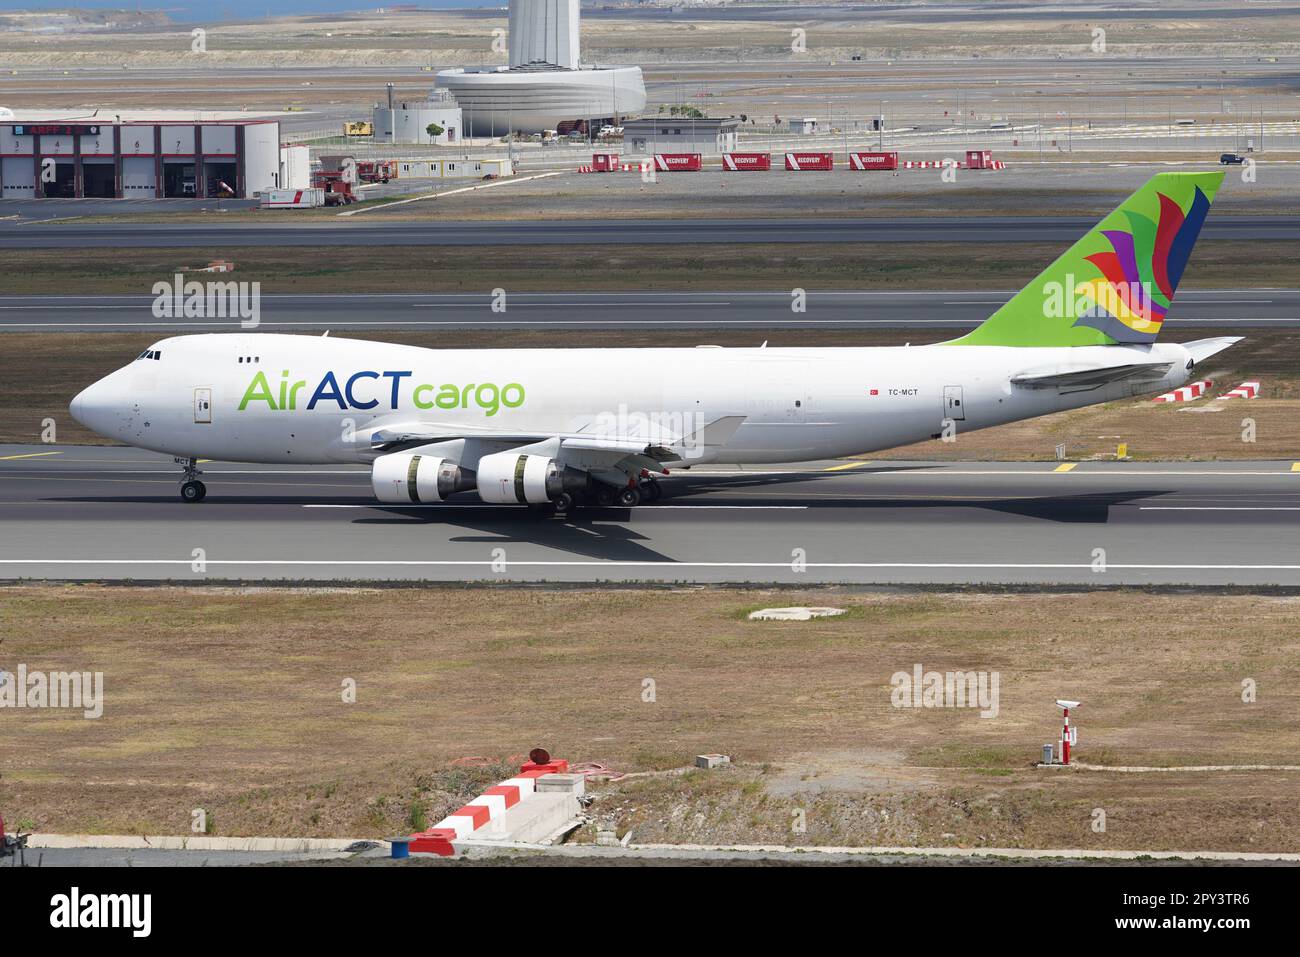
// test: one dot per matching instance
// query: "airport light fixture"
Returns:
(1069, 735)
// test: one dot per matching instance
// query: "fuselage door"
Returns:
(203, 406)
(952, 403)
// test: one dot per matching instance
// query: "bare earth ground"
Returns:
(403, 38)
(230, 700)
(41, 374)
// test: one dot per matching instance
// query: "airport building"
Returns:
(411, 122)
(679, 134)
(545, 84)
(163, 154)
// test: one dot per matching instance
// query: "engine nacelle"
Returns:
(513, 478)
(402, 478)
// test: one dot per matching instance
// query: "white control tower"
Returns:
(544, 31)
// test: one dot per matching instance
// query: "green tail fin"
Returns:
(1117, 282)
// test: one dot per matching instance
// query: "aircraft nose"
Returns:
(97, 406)
(77, 404)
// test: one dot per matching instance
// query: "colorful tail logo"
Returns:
(1117, 282)
(1142, 269)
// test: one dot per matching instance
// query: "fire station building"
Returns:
(138, 158)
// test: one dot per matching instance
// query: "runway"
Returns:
(830, 309)
(92, 513)
(603, 232)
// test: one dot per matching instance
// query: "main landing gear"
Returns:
(192, 490)
(607, 496)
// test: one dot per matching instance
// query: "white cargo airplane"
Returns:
(559, 425)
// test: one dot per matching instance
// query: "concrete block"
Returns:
(709, 761)
(531, 820)
(575, 784)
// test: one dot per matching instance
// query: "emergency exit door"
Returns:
(203, 406)
(952, 403)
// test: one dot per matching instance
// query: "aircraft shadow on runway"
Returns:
(609, 533)
(603, 533)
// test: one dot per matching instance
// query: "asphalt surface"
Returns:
(625, 232)
(90, 513)
(920, 309)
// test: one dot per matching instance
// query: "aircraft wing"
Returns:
(659, 444)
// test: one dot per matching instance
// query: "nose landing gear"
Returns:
(192, 490)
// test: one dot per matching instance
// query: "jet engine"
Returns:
(509, 478)
(404, 477)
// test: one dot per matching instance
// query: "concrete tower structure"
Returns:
(545, 83)
(544, 31)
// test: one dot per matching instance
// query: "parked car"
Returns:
(1232, 159)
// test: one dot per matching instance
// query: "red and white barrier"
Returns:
(616, 168)
(740, 162)
(744, 162)
(810, 161)
(955, 164)
(491, 805)
(1187, 393)
(1247, 390)
(872, 161)
(679, 162)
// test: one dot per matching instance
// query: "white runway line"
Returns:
(486, 563)
(1219, 508)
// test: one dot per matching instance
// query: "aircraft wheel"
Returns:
(604, 495)
(651, 491)
(630, 497)
(193, 491)
(563, 502)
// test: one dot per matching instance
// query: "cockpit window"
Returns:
(150, 354)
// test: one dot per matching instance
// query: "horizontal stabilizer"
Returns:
(1202, 349)
(1078, 375)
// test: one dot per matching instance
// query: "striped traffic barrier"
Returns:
(489, 806)
(1186, 393)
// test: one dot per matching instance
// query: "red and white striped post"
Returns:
(1066, 740)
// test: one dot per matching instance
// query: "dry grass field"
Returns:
(577, 268)
(231, 700)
